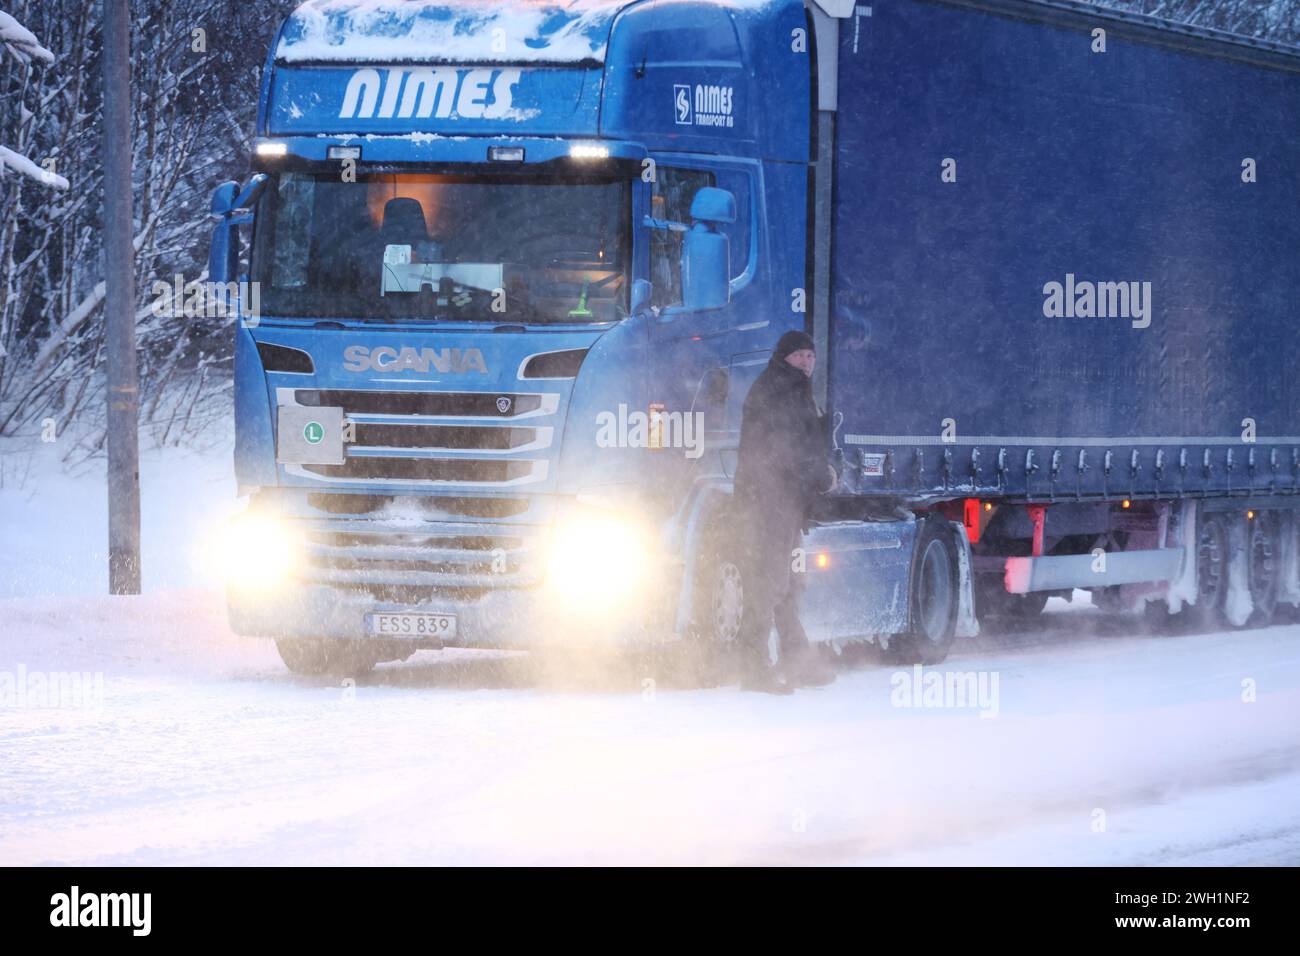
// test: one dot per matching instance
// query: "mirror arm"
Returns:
(251, 191)
(664, 225)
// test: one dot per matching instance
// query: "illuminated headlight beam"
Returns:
(257, 551)
(598, 559)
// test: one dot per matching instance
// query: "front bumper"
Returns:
(571, 575)
(508, 618)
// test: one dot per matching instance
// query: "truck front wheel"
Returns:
(708, 654)
(934, 599)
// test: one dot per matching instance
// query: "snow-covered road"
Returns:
(1098, 748)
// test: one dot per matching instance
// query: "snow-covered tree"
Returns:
(194, 80)
(1277, 20)
(22, 44)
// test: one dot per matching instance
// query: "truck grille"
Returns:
(458, 470)
(449, 437)
(375, 553)
(477, 447)
(467, 543)
(429, 404)
(470, 439)
(438, 508)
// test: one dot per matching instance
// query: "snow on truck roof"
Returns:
(457, 31)
(386, 31)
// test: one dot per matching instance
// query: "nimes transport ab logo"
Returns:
(702, 105)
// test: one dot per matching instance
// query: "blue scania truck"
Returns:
(518, 264)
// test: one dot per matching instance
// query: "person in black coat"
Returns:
(781, 467)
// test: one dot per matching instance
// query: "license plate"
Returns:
(412, 625)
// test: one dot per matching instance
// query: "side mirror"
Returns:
(706, 253)
(223, 253)
(227, 200)
(713, 205)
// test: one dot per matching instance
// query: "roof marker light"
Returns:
(344, 152)
(506, 154)
(588, 151)
(272, 149)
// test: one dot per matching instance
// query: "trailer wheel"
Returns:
(933, 600)
(1288, 532)
(1264, 569)
(1211, 574)
(325, 657)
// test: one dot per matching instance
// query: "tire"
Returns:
(1265, 569)
(933, 599)
(1288, 526)
(1212, 556)
(711, 649)
(309, 657)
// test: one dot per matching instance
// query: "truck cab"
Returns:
(516, 269)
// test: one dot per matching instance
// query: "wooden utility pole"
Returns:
(119, 309)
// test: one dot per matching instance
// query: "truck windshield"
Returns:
(435, 247)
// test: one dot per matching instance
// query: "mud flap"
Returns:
(1238, 606)
(1182, 590)
(967, 624)
(1289, 563)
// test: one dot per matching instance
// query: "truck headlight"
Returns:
(598, 557)
(256, 551)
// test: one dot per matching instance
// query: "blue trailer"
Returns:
(516, 267)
